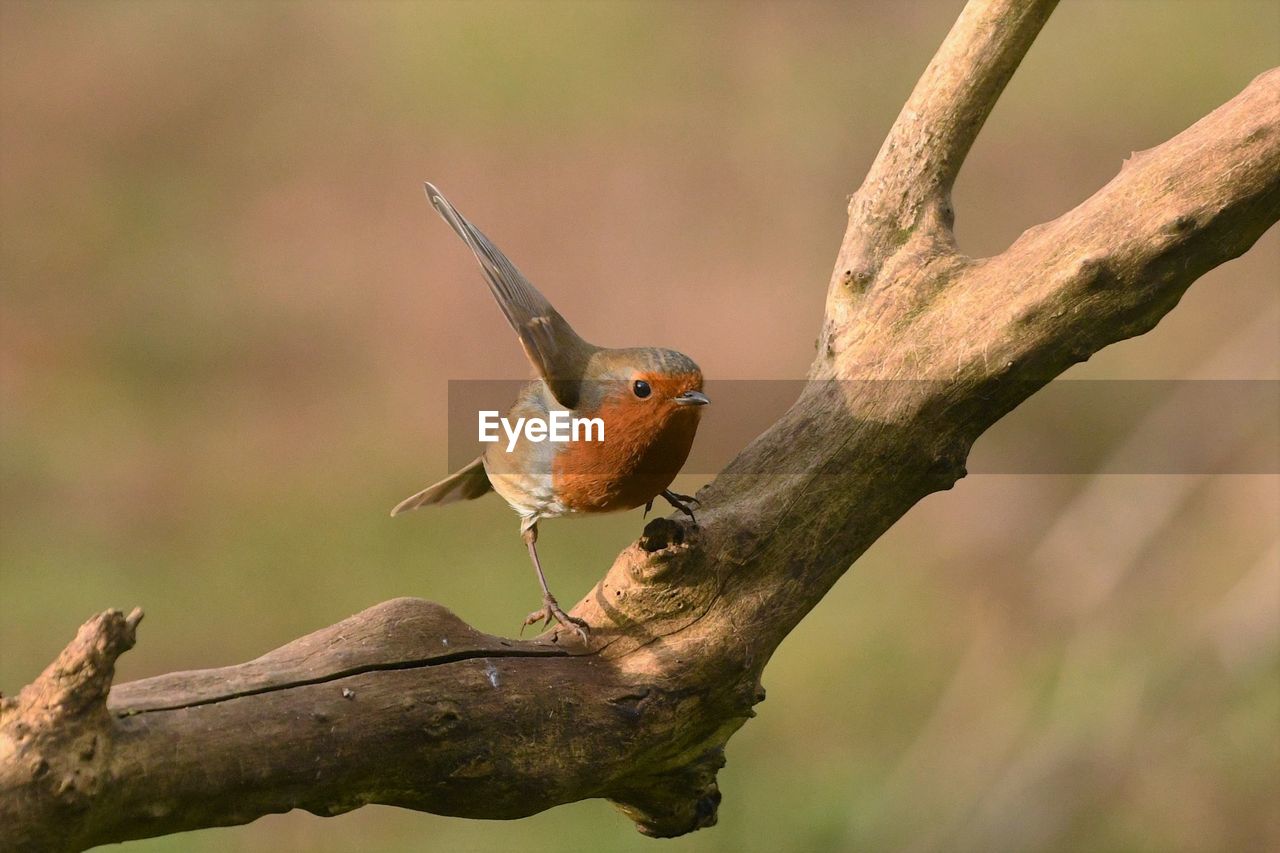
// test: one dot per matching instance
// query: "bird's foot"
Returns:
(683, 503)
(551, 610)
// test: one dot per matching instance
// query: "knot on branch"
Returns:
(661, 534)
(655, 585)
(678, 802)
(949, 465)
(857, 277)
(664, 554)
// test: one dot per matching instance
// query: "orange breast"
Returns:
(642, 451)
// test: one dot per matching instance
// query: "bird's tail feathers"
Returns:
(466, 484)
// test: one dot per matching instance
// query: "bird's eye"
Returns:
(642, 389)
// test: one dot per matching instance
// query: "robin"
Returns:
(647, 400)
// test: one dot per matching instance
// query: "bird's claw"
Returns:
(682, 503)
(551, 610)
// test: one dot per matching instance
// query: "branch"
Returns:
(909, 184)
(923, 349)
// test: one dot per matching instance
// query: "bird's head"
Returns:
(645, 385)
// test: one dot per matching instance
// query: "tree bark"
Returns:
(921, 350)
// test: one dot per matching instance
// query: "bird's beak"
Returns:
(691, 398)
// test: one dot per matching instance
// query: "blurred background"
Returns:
(229, 318)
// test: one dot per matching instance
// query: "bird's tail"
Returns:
(466, 484)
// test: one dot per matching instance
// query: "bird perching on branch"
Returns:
(646, 400)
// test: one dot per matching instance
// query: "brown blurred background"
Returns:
(229, 317)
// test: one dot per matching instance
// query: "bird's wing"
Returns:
(557, 353)
(466, 484)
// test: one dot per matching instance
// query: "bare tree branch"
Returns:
(909, 184)
(922, 350)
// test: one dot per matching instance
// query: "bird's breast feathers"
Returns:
(639, 456)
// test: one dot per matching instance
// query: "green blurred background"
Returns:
(229, 317)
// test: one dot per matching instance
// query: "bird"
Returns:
(648, 400)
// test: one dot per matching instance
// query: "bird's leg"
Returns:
(681, 502)
(550, 607)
